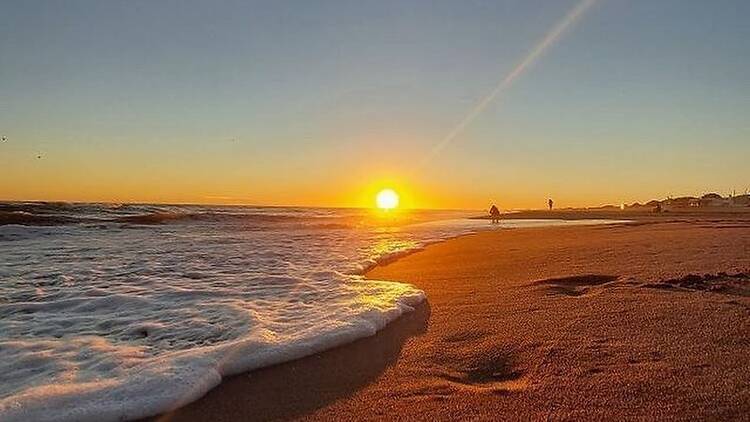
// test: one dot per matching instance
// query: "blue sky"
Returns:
(311, 102)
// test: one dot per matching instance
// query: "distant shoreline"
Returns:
(628, 213)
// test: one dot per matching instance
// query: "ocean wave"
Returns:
(37, 218)
(27, 219)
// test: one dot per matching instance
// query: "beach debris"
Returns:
(4, 138)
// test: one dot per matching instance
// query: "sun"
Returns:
(387, 199)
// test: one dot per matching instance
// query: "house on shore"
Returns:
(713, 200)
(740, 200)
(681, 202)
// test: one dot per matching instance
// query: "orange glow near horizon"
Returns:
(67, 176)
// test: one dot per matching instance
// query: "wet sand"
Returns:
(649, 320)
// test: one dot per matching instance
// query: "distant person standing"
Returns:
(550, 203)
(494, 214)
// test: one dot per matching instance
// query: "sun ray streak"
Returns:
(549, 39)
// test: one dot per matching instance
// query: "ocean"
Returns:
(112, 312)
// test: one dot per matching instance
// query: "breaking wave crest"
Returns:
(54, 214)
(28, 219)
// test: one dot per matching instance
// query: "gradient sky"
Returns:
(322, 103)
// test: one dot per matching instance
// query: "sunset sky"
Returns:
(324, 103)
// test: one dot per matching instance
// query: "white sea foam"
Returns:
(110, 321)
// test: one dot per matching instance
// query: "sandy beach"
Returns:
(639, 321)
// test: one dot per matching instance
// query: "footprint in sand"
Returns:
(723, 283)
